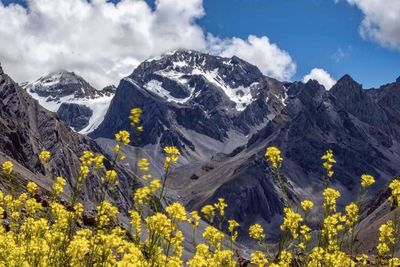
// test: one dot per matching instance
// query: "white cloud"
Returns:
(321, 76)
(103, 42)
(381, 21)
(270, 59)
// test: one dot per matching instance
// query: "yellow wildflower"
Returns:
(123, 137)
(176, 211)
(121, 156)
(307, 205)
(209, 212)
(172, 156)
(329, 161)
(136, 222)
(352, 215)
(141, 195)
(274, 156)
(291, 222)
(83, 173)
(258, 258)
(111, 177)
(117, 148)
(232, 225)
(395, 187)
(44, 156)
(159, 224)
(135, 115)
(144, 164)
(386, 238)
(394, 262)
(220, 206)
(87, 158)
(213, 236)
(194, 218)
(367, 180)
(363, 260)
(58, 187)
(256, 232)
(106, 214)
(330, 196)
(32, 187)
(7, 168)
(285, 260)
(155, 185)
(98, 161)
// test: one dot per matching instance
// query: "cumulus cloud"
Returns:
(321, 76)
(381, 21)
(270, 59)
(104, 42)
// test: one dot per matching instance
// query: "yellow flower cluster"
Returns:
(274, 156)
(307, 205)
(330, 196)
(386, 238)
(232, 225)
(258, 258)
(7, 168)
(209, 212)
(257, 232)
(123, 137)
(135, 116)
(144, 164)
(351, 215)
(328, 163)
(395, 187)
(172, 156)
(291, 222)
(367, 180)
(32, 187)
(58, 187)
(213, 236)
(44, 156)
(176, 211)
(111, 177)
(220, 206)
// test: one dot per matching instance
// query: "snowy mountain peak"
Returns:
(176, 76)
(57, 85)
(77, 102)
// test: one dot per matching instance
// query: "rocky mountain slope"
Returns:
(77, 103)
(223, 112)
(27, 129)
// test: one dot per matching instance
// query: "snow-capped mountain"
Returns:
(78, 103)
(221, 100)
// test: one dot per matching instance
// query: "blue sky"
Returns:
(316, 33)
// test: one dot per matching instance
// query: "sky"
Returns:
(287, 39)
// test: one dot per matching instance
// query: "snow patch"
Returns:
(99, 106)
(156, 87)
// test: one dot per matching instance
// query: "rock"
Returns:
(75, 115)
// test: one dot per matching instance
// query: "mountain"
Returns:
(223, 112)
(27, 129)
(203, 104)
(77, 103)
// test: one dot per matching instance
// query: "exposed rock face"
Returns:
(76, 116)
(27, 128)
(68, 90)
